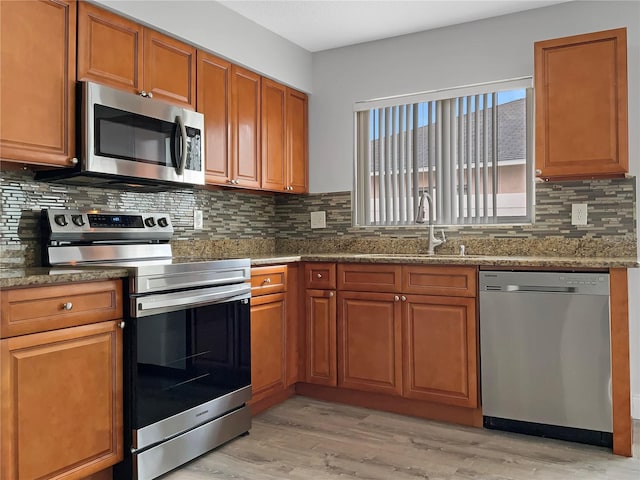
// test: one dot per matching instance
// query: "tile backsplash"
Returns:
(267, 223)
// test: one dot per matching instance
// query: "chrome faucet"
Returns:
(433, 241)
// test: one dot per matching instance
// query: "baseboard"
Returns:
(635, 406)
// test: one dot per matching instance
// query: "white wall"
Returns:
(486, 50)
(225, 33)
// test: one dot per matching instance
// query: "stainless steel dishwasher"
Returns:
(546, 355)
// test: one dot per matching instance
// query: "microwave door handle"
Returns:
(183, 153)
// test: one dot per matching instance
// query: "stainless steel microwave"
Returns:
(128, 139)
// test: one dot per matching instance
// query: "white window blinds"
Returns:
(471, 152)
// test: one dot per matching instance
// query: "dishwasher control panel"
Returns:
(545, 282)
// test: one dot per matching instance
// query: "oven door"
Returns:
(128, 135)
(191, 361)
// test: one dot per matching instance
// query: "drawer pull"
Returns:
(266, 281)
(121, 325)
(403, 298)
(396, 298)
(67, 306)
(331, 294)
(319, 275)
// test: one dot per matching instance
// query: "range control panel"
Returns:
(73, 225)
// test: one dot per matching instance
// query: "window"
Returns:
(470, 148)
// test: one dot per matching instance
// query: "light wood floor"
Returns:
(312, 440)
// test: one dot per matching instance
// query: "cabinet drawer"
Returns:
(320, 276)
(436, 280)
(39, 309)
(267, 280)
(369, 278)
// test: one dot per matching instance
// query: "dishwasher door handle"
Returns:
(539, 289)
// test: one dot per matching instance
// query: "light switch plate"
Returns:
(579, 214)
(197, 220)
(319, 219)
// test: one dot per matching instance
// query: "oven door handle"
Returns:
(171, 302)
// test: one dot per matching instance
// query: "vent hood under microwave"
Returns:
(129, 140)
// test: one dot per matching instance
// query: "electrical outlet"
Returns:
(579, 214)
(319, 219)
(197, 219)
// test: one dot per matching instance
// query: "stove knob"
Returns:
(150, 222)
(162, 222)
(77, 220)
(60, 220)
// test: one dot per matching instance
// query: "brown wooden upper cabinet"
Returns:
(122, 54)
(245, 128)
(581, 106)
(37, 72)
(214, 101)
(284, 138)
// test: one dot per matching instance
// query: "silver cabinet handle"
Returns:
(331, 294)
(267, 280)
(403, 298)
(149, 95)
(73, 161)
(396, 298)
(67, 306)
(121, 325)
(319, 275)
(538, 171)
(143, 93)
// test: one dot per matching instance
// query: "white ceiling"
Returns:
(323, 24)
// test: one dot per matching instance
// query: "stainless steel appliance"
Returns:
(187, 362)
(546, 355)
(132, 139)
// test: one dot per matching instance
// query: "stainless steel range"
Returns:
(187, 362)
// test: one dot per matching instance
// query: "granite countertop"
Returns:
(19, 277)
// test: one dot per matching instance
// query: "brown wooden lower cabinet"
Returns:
(370, 342)
(61, 413)
(321, 362)
(268, 317)
(440, 350)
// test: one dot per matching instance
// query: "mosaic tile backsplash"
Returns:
(257, 224)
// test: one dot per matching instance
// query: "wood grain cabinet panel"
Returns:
(581, 105)
(123, 54)
(284, 138)
(369, 342)
(169, 69)
(440, 280)
(268, 317)
(246, 168)
(297, 154)
(37, 87)
(38, 309)
(213, 100)
(320, 275)
(369, 278)
(321, 337)
(109, 49)
(267, 280)
(274, 168)
(61, 402)
(440, 349)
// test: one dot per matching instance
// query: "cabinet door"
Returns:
(61, 402)
(214, 96)
(169, 69)
(369, 342)
(321, 337)
(109, 49)
(245, 128)
(440, 350)
(37, 86)
(297, 142)
(581, 105)
(273, 135)
(267, 343)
